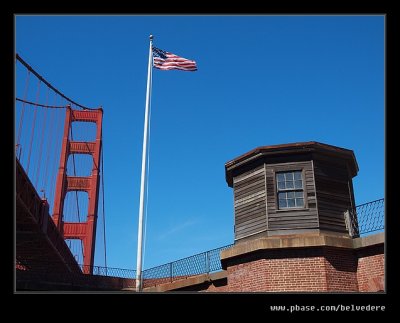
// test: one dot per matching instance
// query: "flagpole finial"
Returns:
(151, 37)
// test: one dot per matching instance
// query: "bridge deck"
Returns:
(38, 241)
(43, 259)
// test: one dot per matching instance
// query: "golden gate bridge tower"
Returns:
(85, 231)
(63, 164)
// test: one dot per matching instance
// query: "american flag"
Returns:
(167, 61)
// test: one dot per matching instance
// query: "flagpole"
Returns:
(143, 176)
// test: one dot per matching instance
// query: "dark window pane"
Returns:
(280, 177)
(282, 204)
(300, 202)
(289, 185)
(297, 175)
(299, 194)
(281, 185)
(289, 176)
(298, 184)
(291, 203)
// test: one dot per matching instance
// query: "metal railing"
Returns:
(366, 218)
(109, 271)
(104, 277)
(202, 263)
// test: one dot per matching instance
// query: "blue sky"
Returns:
(261, 80)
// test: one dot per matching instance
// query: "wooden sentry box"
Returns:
(264, 207)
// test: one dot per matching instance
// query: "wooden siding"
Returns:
(333, 191)
(249, 199)
(291, 219)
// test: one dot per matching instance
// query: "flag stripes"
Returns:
(167, 61)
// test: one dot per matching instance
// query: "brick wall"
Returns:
(370, 270)
(357, 267)
(341, 269)
(277, 270)
(305, 270)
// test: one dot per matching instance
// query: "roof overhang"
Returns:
(259, 153)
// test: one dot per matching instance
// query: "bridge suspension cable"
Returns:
(40, 105)
(104, 214)
(38, 142)
(49, 85)
(23, 106)
(33, 128)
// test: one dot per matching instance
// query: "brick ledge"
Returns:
(301, 241)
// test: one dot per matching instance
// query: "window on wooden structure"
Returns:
(290, 189)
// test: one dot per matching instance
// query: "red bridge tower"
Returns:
(85, 231)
